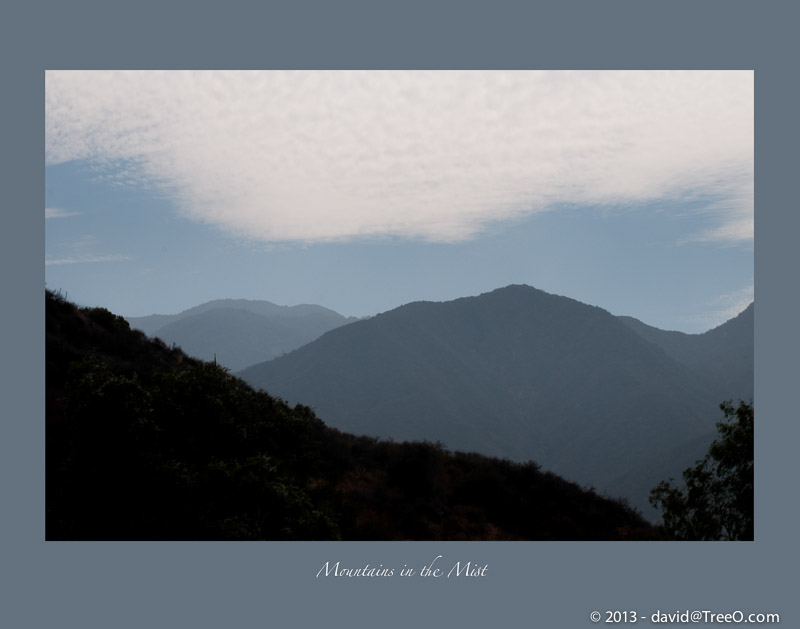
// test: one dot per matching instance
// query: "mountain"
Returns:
(240, 332)
(723, 354)
(146, 443)
(515, 373)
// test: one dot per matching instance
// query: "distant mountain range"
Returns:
(518, 373)
(240, 332)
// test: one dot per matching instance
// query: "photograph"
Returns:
(321, 315)
(399, 305)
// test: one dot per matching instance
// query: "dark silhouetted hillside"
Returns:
(146, 443)
(514, 373)
(240, 332)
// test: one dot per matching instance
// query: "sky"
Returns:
(365, 190)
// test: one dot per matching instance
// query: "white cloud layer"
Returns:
(56, 212)
(86, 258)
(320, 156)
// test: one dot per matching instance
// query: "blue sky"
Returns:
(362, 191)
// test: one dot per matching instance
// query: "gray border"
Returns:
(552, 585)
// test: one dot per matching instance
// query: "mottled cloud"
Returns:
(437, 155)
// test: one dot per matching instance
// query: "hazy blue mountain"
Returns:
(724, 354)
(514, 373)
(240, 332)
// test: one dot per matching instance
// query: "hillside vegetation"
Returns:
(145, 443)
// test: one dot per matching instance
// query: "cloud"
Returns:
(732, 231)
(721, 309)
(54, 212)
(86, 258)
(79, 251)
(437, 155)
(729, 305)
(733, 214)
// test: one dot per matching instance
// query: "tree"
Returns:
(717, 500)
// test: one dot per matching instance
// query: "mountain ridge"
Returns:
(498, 373)
(725, 351)
(240, 332)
